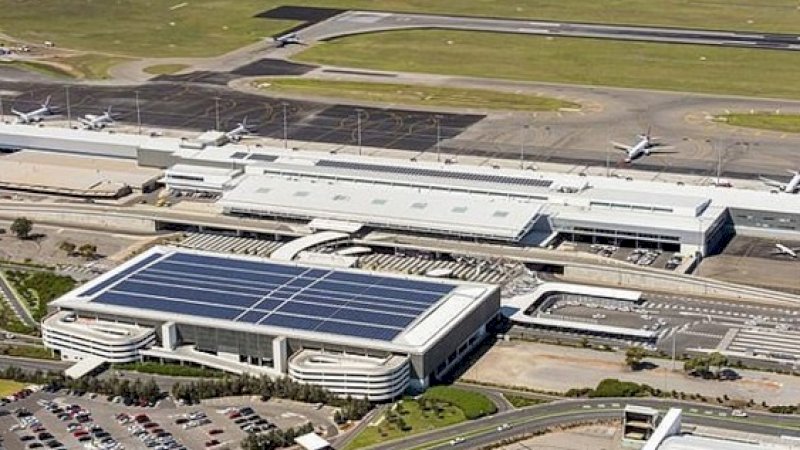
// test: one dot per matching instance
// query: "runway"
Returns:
(336, 24)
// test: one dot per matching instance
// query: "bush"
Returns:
(473, 404)
(611, 387)
(175, 370)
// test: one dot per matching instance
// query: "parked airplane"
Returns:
(643, 147)
(36, 115)
(781, 249)
(791, 187)
(287, 39)
(97, 122)
(241, 131)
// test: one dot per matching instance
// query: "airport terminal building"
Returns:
(452, 201)
(352, 332)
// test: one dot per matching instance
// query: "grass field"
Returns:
(209, 27)
(413, 94)
(787, 123)
(473, 404)
(415, 418)
(689, 68)
(165, 69)
(8, 387)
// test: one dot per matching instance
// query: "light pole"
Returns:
(69, 111)
(2, 116)
(438, 120)
(216, 112)
(285, 127)
(358, 128)
(522, 134)
(138, 113)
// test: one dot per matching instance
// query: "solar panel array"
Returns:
(254, 156)
(265, 293)
(414, 171)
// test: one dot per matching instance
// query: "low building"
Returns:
(354, 332)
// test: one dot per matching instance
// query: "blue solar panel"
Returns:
(194, 309)
(353, 278)
(318, 299)
(367, 317)
(268, 304)
(251, 316)
(300, 323)
(115, 278)
(265, 293)
(416, 285)
(178, 293)
(383, 334)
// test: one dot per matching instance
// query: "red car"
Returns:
(212, 443)
(215, 431)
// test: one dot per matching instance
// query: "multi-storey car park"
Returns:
(453, 201)
(353, 332)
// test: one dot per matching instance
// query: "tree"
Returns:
(67, 247)
(717, 360)
(22, 227)
(88, 251)
(634, 356)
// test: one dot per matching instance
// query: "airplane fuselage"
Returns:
(793, 185)
(786, 251)
(640, 148)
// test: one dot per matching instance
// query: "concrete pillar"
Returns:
(280, 355)
(169, 336)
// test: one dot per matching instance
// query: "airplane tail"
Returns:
(46, 103)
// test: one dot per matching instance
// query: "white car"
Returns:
(738, 413)
(457, 440)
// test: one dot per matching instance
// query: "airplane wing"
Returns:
(623, 147)
(771, 182)
(90, 117)
(661, 149)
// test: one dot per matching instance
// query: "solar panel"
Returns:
(266, 293)
(115, 278)
(194, 309)
(415, 171)
(262, 157)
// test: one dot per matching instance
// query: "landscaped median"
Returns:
(412, 94)
(439, 407)
(38, 289)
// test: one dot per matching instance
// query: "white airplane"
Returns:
(646, 145)
(791, 187)
(97, 122)
(36, 115)
(241, 131)
(781, 249)
(287, 39)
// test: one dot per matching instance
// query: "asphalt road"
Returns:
(356, 22)
(16, 304)
(527, 420)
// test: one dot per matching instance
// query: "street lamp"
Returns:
(438, 119)
(138, 113)
(216, 112)
(285, 127)
(69, 111)
(358, 128)
(522, 133)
